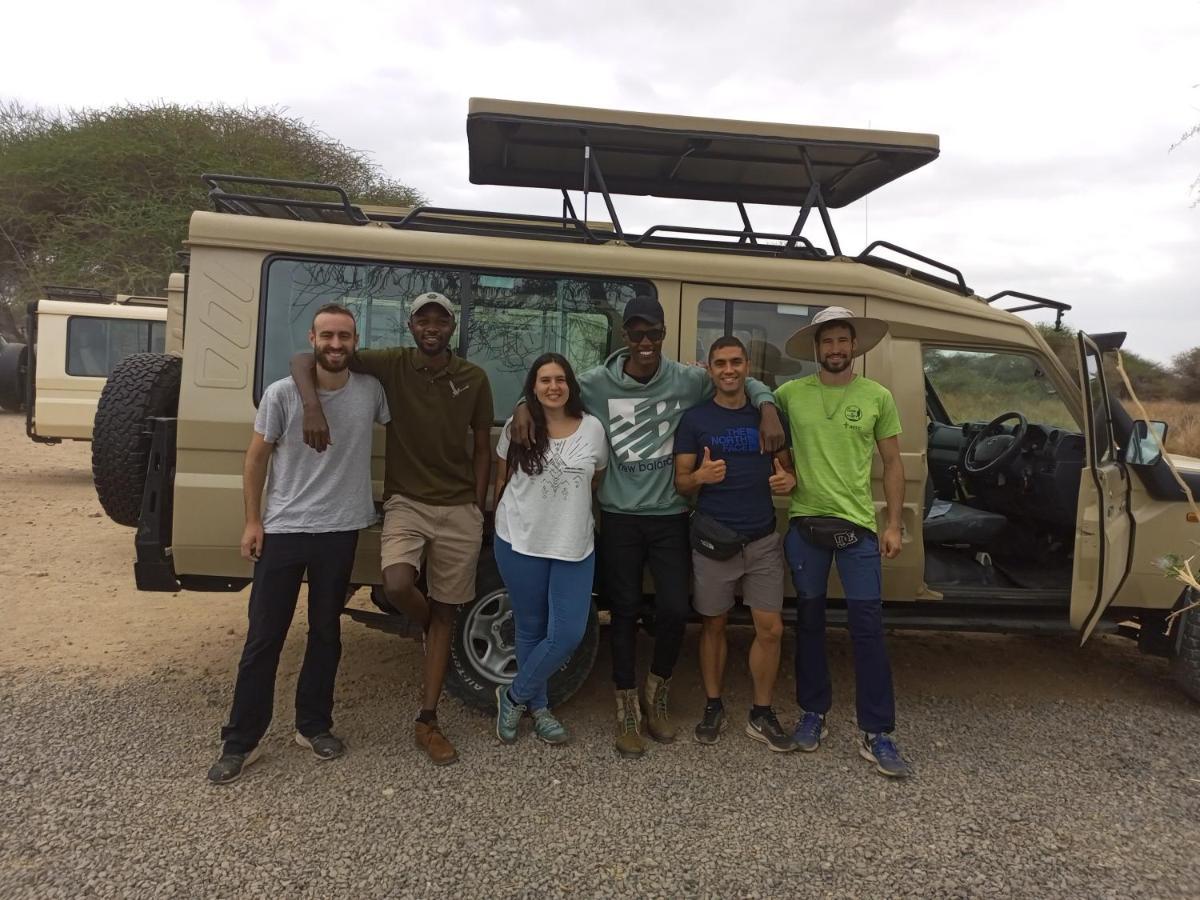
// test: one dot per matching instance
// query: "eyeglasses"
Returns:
(637, 335)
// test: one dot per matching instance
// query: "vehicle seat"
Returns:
(950, 522)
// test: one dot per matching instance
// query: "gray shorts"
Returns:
(759, 568)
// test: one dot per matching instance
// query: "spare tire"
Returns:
(142, 386)
(13, 367)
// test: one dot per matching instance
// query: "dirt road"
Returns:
(1042, 769)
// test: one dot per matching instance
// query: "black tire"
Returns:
(1185, 656)
(13, 372)
(142, 386)
(472, 676)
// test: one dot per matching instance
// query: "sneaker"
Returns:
(428, 737)
(508, 715)
(711, 725)
(548, 729)
(809, 731)
(765, 727)
(629, 742)
(230, 766)
(882, 750)
(323, 745)
(659, 724)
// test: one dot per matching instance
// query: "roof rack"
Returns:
(959, 284)
(1035, 302)
(78, 294)
(340, 210)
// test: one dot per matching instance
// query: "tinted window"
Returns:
(95, 345)
(979, 385)
(510, 318)
(764, 328)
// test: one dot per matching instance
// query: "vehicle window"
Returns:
(1097, 398)
(764, 328)
(506, 320)
(95, 345)
(979, 385)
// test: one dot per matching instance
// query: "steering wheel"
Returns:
(991, 449)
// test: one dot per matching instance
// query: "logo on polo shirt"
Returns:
(454, 389)
(853, 413)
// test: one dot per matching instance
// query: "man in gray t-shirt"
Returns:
(316, 503)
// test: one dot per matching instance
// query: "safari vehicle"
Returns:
(76, 338)
(1032, 501)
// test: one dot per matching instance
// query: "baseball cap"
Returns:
(644, 307)
(434, 298)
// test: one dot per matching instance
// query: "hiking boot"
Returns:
(548, 729)
(324, 745)
(629, 732)
(230, 766)
(654, 704)
(711, 725)
(882, 750)
(429, 738)
(765, 728)
(809, 731)
(508, 715)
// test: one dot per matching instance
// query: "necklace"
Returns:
(830, 413)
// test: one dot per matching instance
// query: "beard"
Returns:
(835, 366)
(332, 365)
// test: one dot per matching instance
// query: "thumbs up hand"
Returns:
(710, 471)
(782, 481)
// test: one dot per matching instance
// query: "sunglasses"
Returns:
(637, 335)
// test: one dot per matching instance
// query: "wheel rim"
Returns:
(490, 638)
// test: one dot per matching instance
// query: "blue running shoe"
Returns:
(882, 750)
(548, 729)
(809, 731)
(508, 715)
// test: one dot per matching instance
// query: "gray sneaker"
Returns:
(708, 730)
(765, 727)
(230, 766)
(324, 745)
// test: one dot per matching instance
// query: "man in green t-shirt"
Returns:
(838, 419)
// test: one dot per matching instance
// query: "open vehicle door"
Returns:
(1103, 529)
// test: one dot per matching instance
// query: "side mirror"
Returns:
(1145, 443)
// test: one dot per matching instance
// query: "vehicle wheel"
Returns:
(483, 649)
(142, 386)
(1185, 656)
(13, 368)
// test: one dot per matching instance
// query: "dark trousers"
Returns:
(859, 569)
(627, 544)
(328, 558)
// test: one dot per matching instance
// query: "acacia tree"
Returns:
(101, 198)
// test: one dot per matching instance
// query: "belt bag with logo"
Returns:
(831, 532)
(712, 539)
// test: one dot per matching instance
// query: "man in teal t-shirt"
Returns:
(838, 419)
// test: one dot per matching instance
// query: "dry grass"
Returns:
(1183, 424)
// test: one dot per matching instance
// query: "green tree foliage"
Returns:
(101, 198)
(1151, 380)
(1186, 369)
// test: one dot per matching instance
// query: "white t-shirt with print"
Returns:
(550, 514)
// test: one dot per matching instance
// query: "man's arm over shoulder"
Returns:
(589, 391)
(377, 363)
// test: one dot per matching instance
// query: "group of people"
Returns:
(684, 462)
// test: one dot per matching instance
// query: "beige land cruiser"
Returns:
(1032, 501)
(77, 336)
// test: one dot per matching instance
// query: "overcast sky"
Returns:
(1055, 117)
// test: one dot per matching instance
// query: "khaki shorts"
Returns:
(759, 568)
(448, 537)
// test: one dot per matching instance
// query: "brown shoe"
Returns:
(430, 739)
(659, 724)
(629, 741)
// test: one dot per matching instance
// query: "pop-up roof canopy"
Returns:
(684, 157)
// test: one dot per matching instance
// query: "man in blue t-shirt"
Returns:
(717, 456)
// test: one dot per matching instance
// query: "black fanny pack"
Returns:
(712, 539)
(831, 532)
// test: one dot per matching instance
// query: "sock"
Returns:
(714, 703)
(757, 710)
(428, 716)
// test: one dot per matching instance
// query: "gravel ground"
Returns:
(1042, 769)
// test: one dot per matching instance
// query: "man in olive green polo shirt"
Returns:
(434, 489)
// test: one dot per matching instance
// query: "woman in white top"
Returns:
(544, 539)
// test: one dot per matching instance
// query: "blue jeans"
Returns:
(859, 568)
(551, 600)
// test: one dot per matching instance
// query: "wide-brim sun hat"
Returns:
(867, 332)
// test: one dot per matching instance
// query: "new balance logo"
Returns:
(642, 429)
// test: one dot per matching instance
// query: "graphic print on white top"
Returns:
(641, 429)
